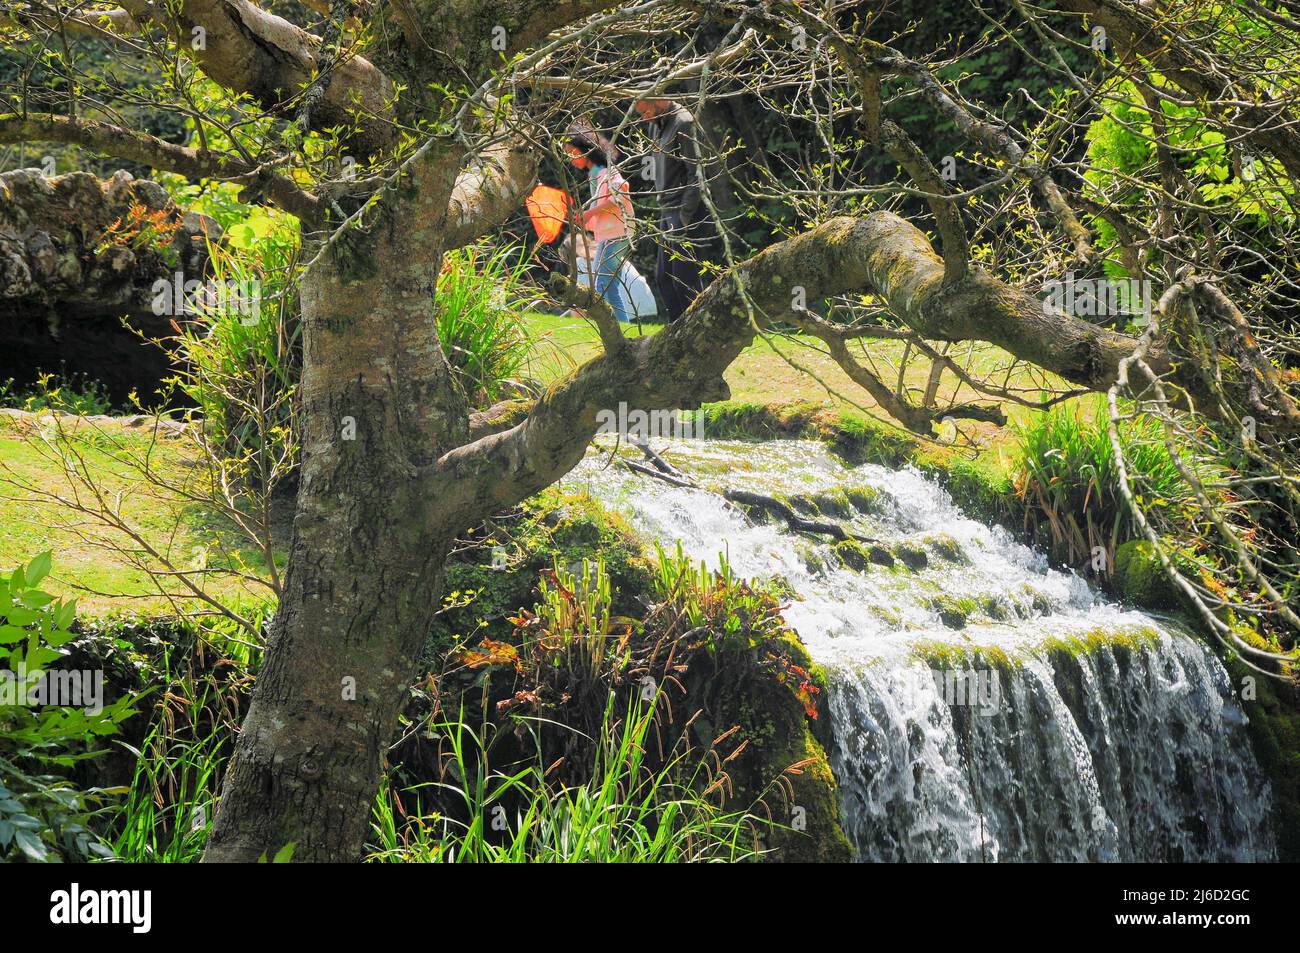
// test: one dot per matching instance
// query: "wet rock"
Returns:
(79, 259)
(913, 557)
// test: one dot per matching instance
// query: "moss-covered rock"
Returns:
(760, 703)
(860, 557)
(1122, 640)
(911, 555)
(826, 503)
(741, 420)
(856, 438)
(1140, 578)
(864, 499)
(784, 763)
(953, 611)
(981, 485)
(947, 656)
(1273, 709)
(946, 548)
(499, 569)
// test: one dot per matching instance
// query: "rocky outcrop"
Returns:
(80, 262)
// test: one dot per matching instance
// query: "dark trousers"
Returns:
(677, 275)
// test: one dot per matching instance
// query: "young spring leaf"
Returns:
(39, 568)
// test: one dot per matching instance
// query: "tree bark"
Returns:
(365, 568)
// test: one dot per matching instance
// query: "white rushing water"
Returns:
(1125, 745)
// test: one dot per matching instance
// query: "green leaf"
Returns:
(20, 616)
(39, 568)
(31, 845)
(10, 634)
(36, 599)
(65, 613)
(59, 637)
(38, 656)
(241, 236)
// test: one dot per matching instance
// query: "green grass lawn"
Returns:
(103, 569)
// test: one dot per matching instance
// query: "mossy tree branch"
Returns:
(682, 367)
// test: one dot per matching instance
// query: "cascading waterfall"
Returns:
(983, 706)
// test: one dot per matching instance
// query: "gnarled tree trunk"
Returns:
(365, 568)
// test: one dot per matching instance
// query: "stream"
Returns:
(983, 706)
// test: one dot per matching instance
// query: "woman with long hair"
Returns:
(608, 215)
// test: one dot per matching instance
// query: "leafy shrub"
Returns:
(167, 814)
(204, 673)
(43, 816)
(573, 624)
(239, 353)
(481, 302)
(1067, 480)
(735, 613)
(625, 812)
(69, 395)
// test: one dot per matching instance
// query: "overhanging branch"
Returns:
(156, 153)
(248, 50)
(683, 366)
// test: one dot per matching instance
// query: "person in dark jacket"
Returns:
(683, 217)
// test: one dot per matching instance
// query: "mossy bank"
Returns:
(735, 687)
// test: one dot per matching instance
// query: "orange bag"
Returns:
(548, 207)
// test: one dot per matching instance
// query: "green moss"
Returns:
(1039, 603)
(1062, 651)
(501, 568)
(891, 617)
(805, 504)
(995, 608)
(753, 421)
(784, 763)
(945, 655)
(864, 499)
(835, 504)
(954, 611)
(1140, 578)
(509, 413)
(860, 557)
(912, 556)
(1127, 639)
(861, 439)
(855, 438)
(945, 547)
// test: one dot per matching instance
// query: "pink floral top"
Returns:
(610, 213)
